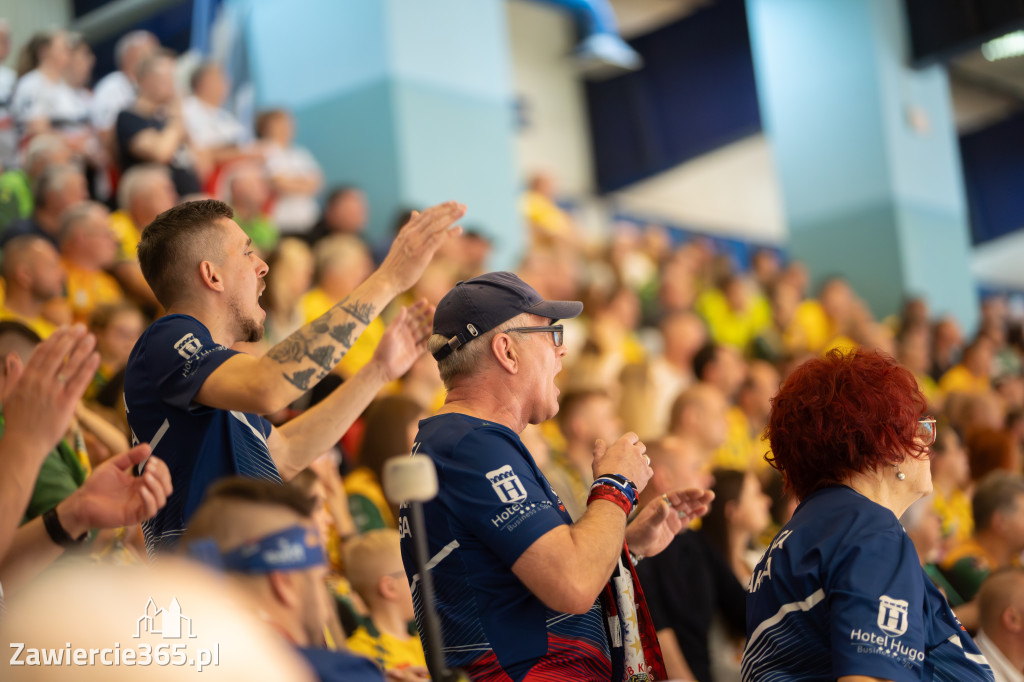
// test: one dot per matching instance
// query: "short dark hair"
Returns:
(264, 118)
(176, 241)
(996, 492)
(573, 400)
(259, 491)
(13, 328)
(704, 357)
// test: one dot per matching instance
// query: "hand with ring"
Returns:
(621, 457)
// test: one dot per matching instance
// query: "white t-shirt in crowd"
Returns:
(37, 97)
(113, 93)
(209, 126)
(293, 212)
(8, 135)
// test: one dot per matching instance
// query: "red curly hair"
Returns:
(842, 414)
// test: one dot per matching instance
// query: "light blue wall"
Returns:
(411, 100)
(865, 195)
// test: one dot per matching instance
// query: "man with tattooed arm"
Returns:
(198, 403)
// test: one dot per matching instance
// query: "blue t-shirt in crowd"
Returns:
(840, 591)
(200, 444)
(493, 503)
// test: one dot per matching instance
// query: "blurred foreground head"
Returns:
(102, 607)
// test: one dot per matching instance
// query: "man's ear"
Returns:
(283, 588)
(211, 276)
(505, 353)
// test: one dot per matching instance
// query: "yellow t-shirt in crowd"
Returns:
(39, 325)
(545, 214)
(736, 328)
(127, 235)
(811, 327)
(388, 651)
(739, 451)
(955, 513)
(960, 380)
(88, 289)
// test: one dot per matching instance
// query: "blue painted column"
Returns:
(410, 100)
(866, 151)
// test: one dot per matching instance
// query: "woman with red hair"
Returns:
(840, 594)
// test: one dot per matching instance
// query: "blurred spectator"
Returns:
(722, 367)
(951, 480)
(78, 74)
(915, 355)
(345, 212)
(754, 401)
(117, 90)
(973, 373)
(736, 314)
(43, 101)
(294, 172)
(16, 200)
(46, 615)
(992, 450)
(248, 192)
(263, 536)
(58, 188)
(766, 269)
(924, 528)
(683, 334)
(998, 539)
(390, 426)
(343, 263)
(8, 135)
(33, 276)
(88, 249)
(1001, 615)
(548, 223)
(152, 129)
(946, 341)
(583, 417)
(732, 525)
(373, 565)
(690, 582)
(145, 191)
(210, 126)
(117, 328)
(699, 421)
(289, 276)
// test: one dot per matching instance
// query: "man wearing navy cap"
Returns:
(522, 592)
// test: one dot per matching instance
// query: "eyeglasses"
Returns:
(555, 329)
(926, 431)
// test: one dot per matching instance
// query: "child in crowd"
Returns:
(373, 564)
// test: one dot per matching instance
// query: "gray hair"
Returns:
(71, 218)
(130, 40)
(469, 357)
(53, 179)
(136, 180)
(41, 148)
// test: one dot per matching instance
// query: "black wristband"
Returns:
(57, 533)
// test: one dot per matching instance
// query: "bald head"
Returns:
(1000, 592)
(677, 465)
(31, 265)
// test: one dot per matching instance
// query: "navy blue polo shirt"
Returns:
(841, 592)
(493, 503)
(200, 444)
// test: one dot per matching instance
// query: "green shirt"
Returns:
(61, 474)
(15, 197)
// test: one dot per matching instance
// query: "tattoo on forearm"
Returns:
(324, 356)
(361, 311)
(310, 343)
(290, 350)
(342, 333)
(301, 379)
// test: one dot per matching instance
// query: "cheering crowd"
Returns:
(203, 363)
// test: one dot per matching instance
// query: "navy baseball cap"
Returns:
(478, 305)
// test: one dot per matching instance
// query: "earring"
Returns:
(900, 476)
